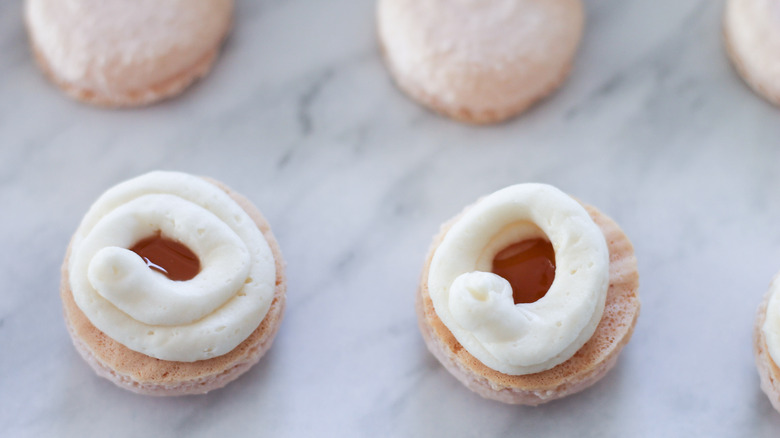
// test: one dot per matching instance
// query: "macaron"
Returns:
(493, 348)
(766, 343)
(117, 53)
(479, 61)
(751, 31)
(172, 284)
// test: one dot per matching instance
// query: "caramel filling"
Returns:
(168, 256)
(529, 266)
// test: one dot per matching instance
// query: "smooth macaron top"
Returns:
(486, 55)
(116, 46)
(752, 30)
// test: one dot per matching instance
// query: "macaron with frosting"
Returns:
(766, 343)
(126, 53)
(751, 30)
(528, 295)
(172, 284)
(479, 61)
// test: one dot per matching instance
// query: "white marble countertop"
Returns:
(654, 127)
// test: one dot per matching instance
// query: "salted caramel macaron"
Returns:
(752, 34)
(172, 284)
(766, 343)
(126, 53)
(479, 61)
(528, 295)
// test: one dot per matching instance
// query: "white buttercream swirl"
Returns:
(201, 318)
(477, 306)
(771, 327)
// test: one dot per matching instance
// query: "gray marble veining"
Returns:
(654, 127)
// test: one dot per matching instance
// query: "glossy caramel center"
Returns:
(168, 256)
(529, 266)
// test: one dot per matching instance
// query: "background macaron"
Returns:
(479, 61)
(120, 53)
(751, 30)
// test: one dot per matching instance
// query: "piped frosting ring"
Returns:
(477, 306)
(771, 324)
(766, 343)
(185, 321)
(588, 365)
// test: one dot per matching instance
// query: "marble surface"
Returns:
(654, 127)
